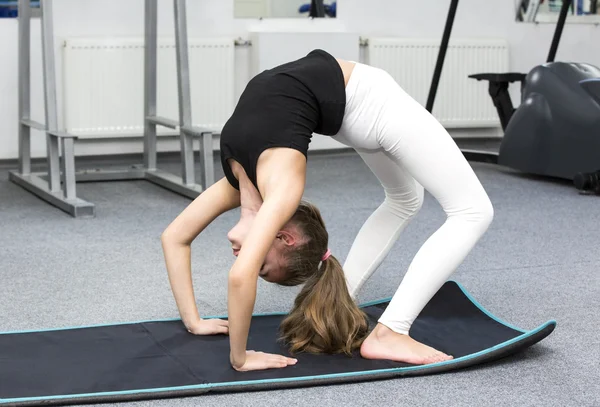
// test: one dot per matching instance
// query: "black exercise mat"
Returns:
(157, 359)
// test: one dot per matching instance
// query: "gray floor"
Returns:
(538, 261)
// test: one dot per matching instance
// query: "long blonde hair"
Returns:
(324, 318)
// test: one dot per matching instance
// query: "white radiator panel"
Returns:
(103, 84)
(460, 100)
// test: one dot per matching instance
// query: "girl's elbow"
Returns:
(237, 280)
(167, 236)
(170, 238)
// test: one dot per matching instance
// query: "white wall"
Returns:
(529, 43)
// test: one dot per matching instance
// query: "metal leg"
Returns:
(24, 86)
(184, 185)
(183, 84)
(50, 95)
(566, 4)
(173, 183)
(441, 55)
(68, 167)
(150, 51)
(206, 159)
(39, 187)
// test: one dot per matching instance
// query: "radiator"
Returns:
(103, 84)
(460, 100)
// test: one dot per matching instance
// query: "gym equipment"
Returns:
(160, 359)
(58, 184)
(555, 131)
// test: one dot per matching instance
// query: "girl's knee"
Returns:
(488, 211)
(482, 212)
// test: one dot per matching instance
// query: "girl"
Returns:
(283, 239)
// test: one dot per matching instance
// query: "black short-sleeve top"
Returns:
(283, 107)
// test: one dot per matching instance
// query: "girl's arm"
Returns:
(177, 238)
(282, 191)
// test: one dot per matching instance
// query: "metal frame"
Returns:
(61, 169)
(57, 185)
(437, 73)
(562, 17)
(479, 155)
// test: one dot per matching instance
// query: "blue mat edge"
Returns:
(435, 367)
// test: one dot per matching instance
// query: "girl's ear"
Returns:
(287, 238)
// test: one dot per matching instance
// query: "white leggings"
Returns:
(408, 150)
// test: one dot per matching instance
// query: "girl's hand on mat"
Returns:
(262, 361)
(208, 327)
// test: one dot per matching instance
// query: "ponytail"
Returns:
(324, 318)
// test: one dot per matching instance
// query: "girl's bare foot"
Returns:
(383, 343)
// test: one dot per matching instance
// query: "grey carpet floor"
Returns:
(538, 261)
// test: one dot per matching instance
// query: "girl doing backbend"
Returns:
(283, 239)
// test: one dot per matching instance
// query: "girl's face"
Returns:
(271, 270)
